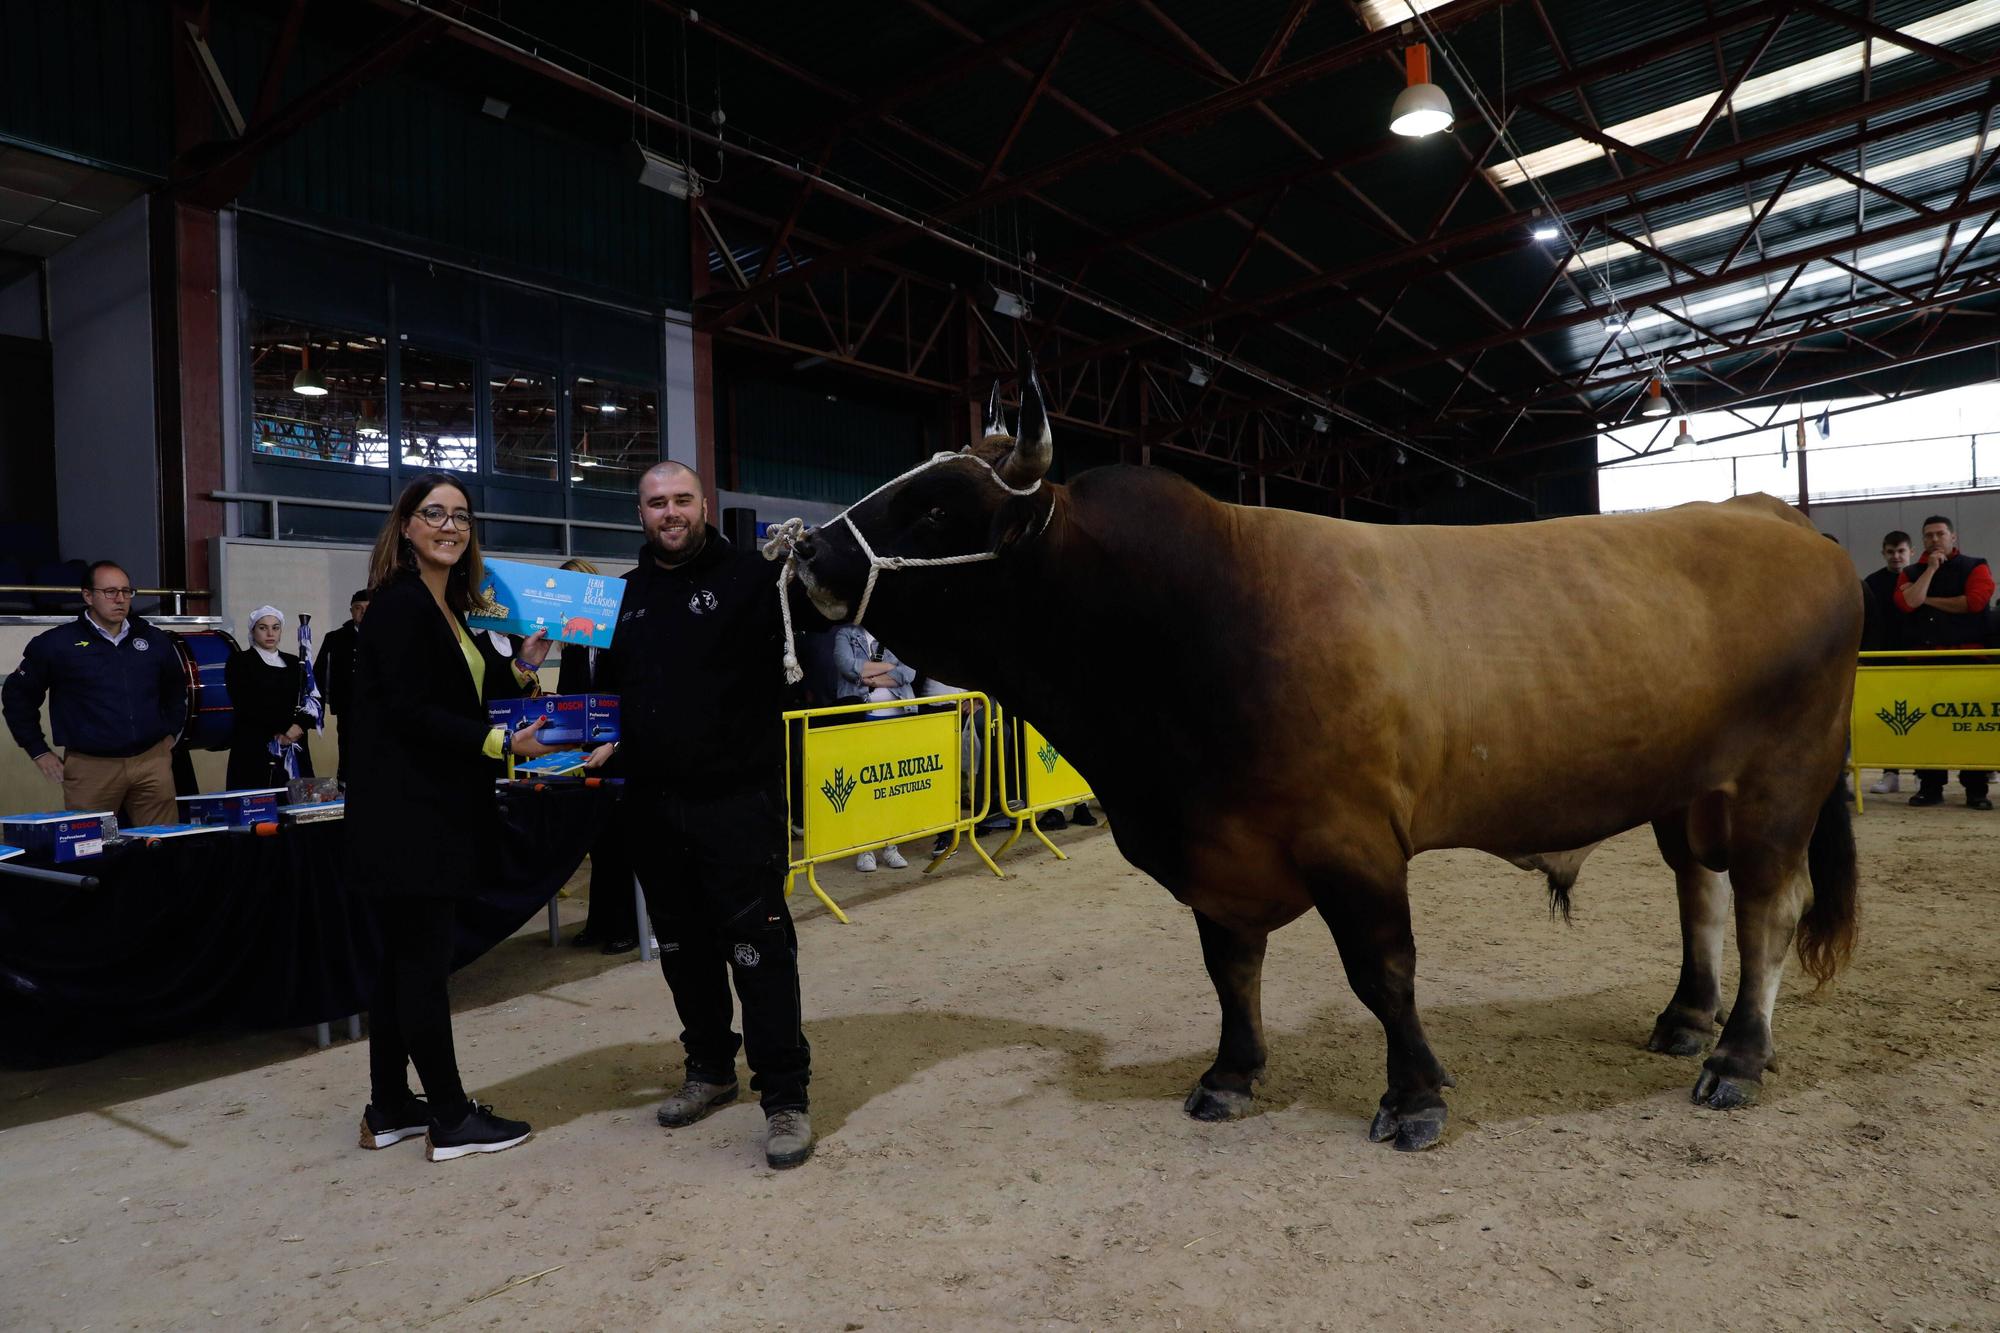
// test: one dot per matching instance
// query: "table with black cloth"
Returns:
(231, 929)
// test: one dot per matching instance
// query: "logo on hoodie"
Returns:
(703, 602)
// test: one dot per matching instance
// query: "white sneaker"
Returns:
(865, 863)
(892, 857)
(1888, 782)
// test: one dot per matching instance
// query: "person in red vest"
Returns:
(1946, 594)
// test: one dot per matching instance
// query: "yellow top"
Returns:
(477, 666)
(492, 748)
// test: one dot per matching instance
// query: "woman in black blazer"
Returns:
(613, 924)
(422, 818)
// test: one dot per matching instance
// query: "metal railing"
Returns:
(272, 502)
(177, 597)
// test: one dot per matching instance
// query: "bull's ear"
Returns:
(1034, 447)
(1013, 521)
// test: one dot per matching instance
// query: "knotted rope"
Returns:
(782, 543)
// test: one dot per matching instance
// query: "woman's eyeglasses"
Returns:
(437, 516)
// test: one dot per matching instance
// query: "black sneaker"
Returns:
(1979, 802)
(480, 1131)
(1051, 821)
(1082, 818)
(619, 946)
(1928, 798)
(583, 939)
(379, 1129)
(940, 844)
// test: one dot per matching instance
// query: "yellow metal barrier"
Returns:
(878, 781)
(1048, 782)
(1937, 709)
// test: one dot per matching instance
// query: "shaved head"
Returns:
(667, 470)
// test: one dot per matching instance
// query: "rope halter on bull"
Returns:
(783, 539)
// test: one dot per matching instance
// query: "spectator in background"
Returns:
(117, 699)
(1944, 596)
(334, 667)
(870, 673)
(265, 689)
(1884, 627)
(971, 746)
(613, 923)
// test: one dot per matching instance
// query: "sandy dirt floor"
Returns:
(998, 1075)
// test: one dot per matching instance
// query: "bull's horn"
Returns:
(996, 425)
(1028, 461)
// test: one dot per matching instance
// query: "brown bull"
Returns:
(1305, 704)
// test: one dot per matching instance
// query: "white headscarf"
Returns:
(270, 656)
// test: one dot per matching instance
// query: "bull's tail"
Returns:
(1827, 930)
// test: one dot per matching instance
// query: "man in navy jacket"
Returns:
(117, 699)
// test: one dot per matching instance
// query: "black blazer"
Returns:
(422, 816)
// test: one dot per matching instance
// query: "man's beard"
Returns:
(691, 547)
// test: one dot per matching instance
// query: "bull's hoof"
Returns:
(1413, 1131)
(1670, 1038)
(1218, 1104)
(1720, 1092)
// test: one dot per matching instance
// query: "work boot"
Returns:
(1926, 796)
(694, 1101)
(789, 1139)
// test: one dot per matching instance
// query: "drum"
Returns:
(204, 653)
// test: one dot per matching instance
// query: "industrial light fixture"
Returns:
(1683, 438)
(1421, 108)
(496, 108)
(1400, 460)
(1615, 323)
(1321, 425)
(576, 476)
(308, 383)
(1547, 231)
(1656, 402)
(1197, 374)
(1009, 304)
(1458, 480)
(659, 173)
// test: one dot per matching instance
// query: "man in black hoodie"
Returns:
(697, 663)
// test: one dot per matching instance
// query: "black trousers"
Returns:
(613, 914)
(1973, 780)
(713, 871)
(410, 1020)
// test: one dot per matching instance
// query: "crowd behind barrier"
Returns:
(855, 782)
(1925, 693)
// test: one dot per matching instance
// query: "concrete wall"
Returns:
(21, 305)
(101, 348)
(1859, 525)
